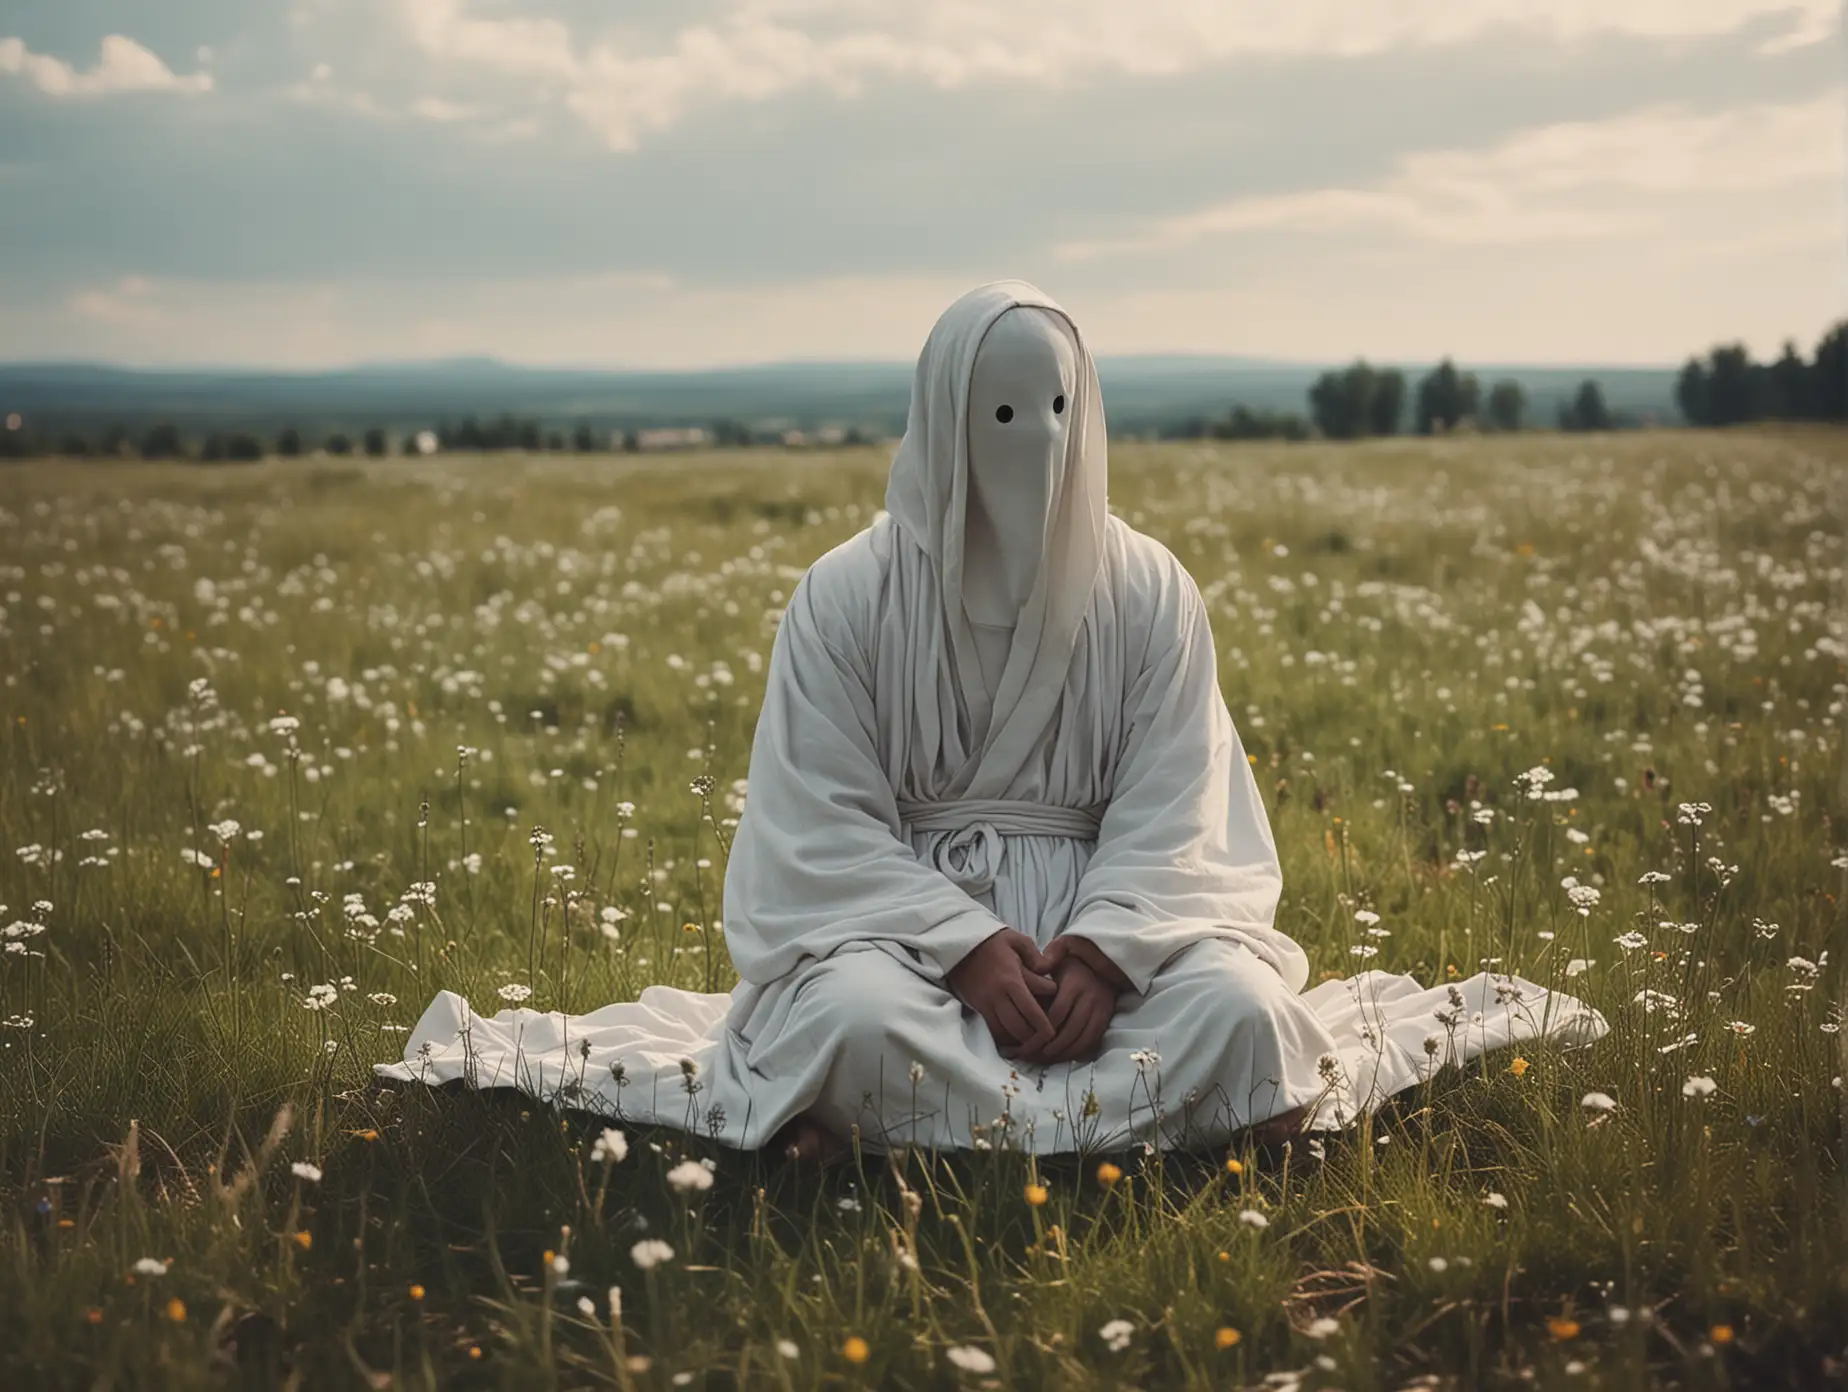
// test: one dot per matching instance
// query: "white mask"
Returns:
(1020, 394)
(1009, 516)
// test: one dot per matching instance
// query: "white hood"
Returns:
(1039, 482)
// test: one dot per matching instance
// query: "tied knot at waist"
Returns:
(966, 834)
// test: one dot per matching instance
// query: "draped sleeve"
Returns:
(819, 860)
(1184, 852)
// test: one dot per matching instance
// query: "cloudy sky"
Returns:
(688, 182)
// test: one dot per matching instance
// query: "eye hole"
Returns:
(1004, 414)
(1058, 405)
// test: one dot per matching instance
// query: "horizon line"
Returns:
(1256, 361)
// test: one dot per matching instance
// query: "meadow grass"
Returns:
(291, 726)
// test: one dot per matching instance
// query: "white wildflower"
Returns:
(320, 997)
(688, 1176)
(1657, 1003)
(970, 1359)
(1535, 781)
(650, 1252)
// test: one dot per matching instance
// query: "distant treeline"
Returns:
(1724, 388)
(1728, 388)
(506, 432)
(1353, 403)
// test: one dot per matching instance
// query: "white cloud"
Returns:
(128, 302)
(957, 40)
(637, 319)
(1812, 24)
(440, 109)
(623, 88)
(136, 319)
(1768, 266)
(621, 97)
(320, 91)
(442, 28)
(1757, 279)
(124, 66)
(1575, 180)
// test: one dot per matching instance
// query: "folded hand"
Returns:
(1082, 1007)
(1003, 981)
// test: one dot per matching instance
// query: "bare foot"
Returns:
(1273, 1133)
(807, 1141)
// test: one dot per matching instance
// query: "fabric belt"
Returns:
(966, 834)
(1006, 815)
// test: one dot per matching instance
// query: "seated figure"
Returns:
(1003, 876)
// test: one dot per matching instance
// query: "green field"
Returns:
(233, 700)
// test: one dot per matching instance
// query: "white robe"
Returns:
(882, 839)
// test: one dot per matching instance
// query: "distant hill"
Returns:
(1141, 394)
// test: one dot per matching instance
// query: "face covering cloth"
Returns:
(996, 706)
